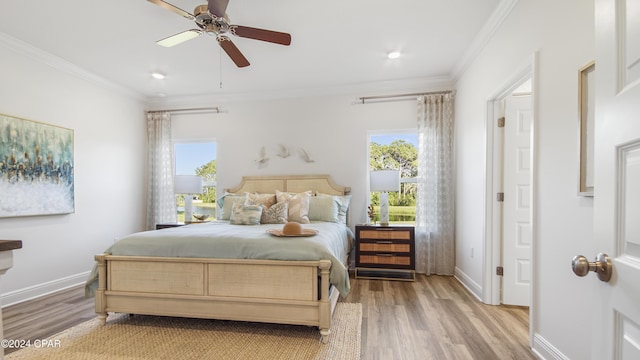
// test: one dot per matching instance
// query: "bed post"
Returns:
(325, 305)
(102, 287)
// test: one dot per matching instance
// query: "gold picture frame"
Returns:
(586, 109)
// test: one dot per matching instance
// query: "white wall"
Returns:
(562, 34)
(332, 130)
(109, 154)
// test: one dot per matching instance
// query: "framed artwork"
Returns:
(586, 111)
(36, 168)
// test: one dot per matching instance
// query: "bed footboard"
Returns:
(270, 291)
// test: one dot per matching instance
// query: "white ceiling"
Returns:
(335, 43)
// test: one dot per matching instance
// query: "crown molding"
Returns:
(62, 65)
(419, 84)
(481, 40)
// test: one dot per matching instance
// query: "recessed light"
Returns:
(393, 55)
(157, 75)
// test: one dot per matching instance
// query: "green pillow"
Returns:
(226, 202)
(323, 208)
(332, 208)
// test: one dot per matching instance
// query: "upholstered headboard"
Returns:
(289, 183)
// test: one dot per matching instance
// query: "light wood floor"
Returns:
(46, 316)
(432, 318)
(436, 318)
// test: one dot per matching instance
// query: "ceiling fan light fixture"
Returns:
(158, 75)
(393, 55)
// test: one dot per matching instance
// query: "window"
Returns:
(197, 158)
(397, 151)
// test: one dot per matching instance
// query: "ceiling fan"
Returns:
(213, 20)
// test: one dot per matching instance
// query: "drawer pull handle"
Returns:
(388, 255)
(384, 242)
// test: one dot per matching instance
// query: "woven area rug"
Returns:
(152, 337)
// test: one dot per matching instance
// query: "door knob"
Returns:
(602, 266)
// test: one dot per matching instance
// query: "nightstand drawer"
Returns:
(381, 246)
(385, 234)
(385, 259)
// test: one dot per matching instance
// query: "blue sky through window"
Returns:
(190, 156)
(387, 139)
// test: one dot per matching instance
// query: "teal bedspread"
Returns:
(219, 239)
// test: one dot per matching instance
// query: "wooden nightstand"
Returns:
(172, 225)
(166, 226)
(385, 252)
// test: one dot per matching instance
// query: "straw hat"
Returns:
(292, 229)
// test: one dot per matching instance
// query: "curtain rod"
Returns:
(400, 97)
(215, 109)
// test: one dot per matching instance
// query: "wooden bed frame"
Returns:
(273, 291)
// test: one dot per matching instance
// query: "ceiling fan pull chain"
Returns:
(220, 65)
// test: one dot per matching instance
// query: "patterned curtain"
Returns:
(161, 203)
(435, 248)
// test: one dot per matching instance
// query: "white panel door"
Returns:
(616, 313)
(516, 223)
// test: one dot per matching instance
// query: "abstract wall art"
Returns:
(36, 168)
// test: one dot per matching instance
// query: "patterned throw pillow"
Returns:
(276, 214)
(267, 200)
(298, 205)
(242, 214)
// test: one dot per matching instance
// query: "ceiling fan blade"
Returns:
(261, 34)
(218, 7)
(179, 38)
(233, 52)
(173, 8)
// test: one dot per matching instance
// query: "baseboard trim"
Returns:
(544, 350)
(468, 283)
(36, 291)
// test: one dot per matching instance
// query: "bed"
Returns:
(296, 283)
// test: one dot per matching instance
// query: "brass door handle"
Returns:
(602, 266)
